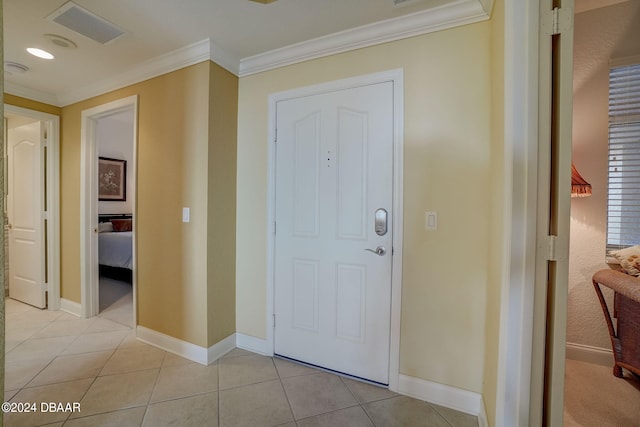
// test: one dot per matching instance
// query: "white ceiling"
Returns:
(242, 36)
(228, 30)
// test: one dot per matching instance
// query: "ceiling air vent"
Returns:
(402, 2)
(83, 22)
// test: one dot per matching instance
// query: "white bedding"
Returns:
(115, 249)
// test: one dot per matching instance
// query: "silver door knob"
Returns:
(380, 250)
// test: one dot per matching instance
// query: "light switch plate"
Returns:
(186, 214)
(431, 220)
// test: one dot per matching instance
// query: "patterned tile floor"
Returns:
(118, 381)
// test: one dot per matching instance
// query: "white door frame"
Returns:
(52, 126)
(520, 171)
(519, 209)
(397, 77)
(89, 275)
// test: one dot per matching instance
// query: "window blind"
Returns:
(623, 206)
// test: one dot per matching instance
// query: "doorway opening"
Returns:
(108, 195)
(32, 227)
(605, 37)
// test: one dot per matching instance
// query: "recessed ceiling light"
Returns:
(39, 53)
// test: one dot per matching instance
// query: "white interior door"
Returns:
(334, 177)
(25, 209)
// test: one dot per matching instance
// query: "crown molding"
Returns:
(430, 20)
(195, 53)
(450, 15)
(224, 59)
(180, 58)
(33, 94)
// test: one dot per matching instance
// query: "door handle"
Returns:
(380, 250)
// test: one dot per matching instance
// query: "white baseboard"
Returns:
(221, 348)
(483, 421)
(204, 356)
(587, 353)
(253, 344)
(443, 395)
(71, 307)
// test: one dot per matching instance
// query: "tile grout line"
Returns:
(153, 389)
(360, 404)
(24, 386)
(446, 420)
(368, 415)
(94, 378)
(113, 352)
(286, 396)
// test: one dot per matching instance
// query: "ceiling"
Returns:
(241, 35)
(230, 30)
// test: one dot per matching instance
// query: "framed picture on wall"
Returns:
(112, 179)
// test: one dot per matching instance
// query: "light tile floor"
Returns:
(119, 381)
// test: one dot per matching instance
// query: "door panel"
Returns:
(334, 169)
(25, 208)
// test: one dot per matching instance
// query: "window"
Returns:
(623, 207)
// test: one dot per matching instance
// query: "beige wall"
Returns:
(600, 35)
(447, 169)
(172, 172)
(31, 104)
(221, 229)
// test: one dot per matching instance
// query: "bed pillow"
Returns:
(121, 224)
(629, 259)
(105, 227)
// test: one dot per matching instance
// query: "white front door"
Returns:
(25, 209)
(334, 177)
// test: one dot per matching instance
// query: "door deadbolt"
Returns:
(381, 222)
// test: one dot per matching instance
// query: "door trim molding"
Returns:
(519, 206)
(89, 201)
(397, 77)
(53, 198)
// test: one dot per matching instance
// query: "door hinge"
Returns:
(555, 248)
(551, 248)
(45, 287)
(274, 321)
(274, 227)
(556, 21)
(276, 136)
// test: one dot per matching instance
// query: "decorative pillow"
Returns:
(629, 259)
(105, 227)
(121, 224)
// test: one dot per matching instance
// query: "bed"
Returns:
(115, 244)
